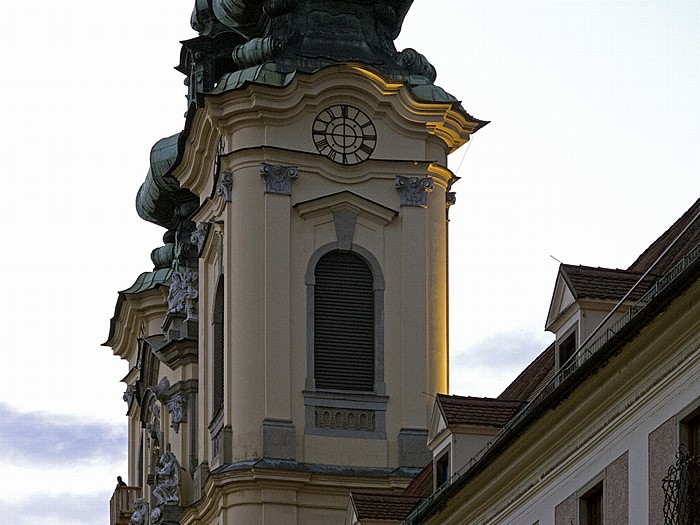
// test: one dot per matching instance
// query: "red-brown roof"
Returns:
(422, 484)
(604, 283)
(484, 411)
(533, 379)
(383, 507)
(686, 242)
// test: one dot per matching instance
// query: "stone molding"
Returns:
(345, 419)
(278, 178)
(413, 191)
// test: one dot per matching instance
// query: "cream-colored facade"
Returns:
(273, 446)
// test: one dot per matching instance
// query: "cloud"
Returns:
(56, 440)
(486, 368)
(57, 509)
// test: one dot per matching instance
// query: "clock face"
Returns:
(344, 134)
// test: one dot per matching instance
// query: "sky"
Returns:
(591, 153)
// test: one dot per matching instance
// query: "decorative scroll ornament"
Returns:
(413, 191)
(450, 198)
(177, 408)
(199, 235)
(278, 179)
(225, 186)
(184, 293)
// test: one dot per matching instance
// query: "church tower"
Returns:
(287, 346)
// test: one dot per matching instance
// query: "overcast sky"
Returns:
(591, 153)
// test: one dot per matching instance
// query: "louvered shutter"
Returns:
(343, 323)
(218, 348)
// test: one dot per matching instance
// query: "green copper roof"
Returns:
(145, 281)
(149, 280)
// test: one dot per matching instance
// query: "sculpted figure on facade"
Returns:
(177, 408)
(184, 293)
(140, 514)
(167, 480)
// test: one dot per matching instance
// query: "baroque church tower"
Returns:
(287, 346)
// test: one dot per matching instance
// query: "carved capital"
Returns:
(413, 191)
(225, 186)
(450, 198)
(278, 179)
(184, 293)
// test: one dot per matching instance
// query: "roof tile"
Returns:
(483, 411)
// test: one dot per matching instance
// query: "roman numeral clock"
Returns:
(344, 134)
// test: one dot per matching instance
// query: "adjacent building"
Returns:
(603, 426)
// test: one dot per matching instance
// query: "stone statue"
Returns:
(140, 514)
(177, 408)
(168, 476)
(184, 292)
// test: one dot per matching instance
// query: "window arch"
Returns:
(218, 349)
(345, 393)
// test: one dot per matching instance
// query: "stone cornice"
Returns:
(136, 309)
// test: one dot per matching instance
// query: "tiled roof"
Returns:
(685, 243)
(604, 283)
(422, 484)
(383, 507)
(533, 379)
(483, 411)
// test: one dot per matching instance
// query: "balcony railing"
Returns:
(682, 491)
(121, 506)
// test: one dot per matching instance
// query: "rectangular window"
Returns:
(567, 348)
(591, 505)
(442, 469)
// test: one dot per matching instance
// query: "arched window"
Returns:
(344, 323)
(218, 349)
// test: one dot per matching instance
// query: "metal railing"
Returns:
(682, 491)
(582, 356)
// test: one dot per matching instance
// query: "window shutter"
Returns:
(344, 323)
(218, 347)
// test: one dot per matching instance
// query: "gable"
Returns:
(562, 298)
(438, 423)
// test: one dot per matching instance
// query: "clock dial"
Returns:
(344, 134)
